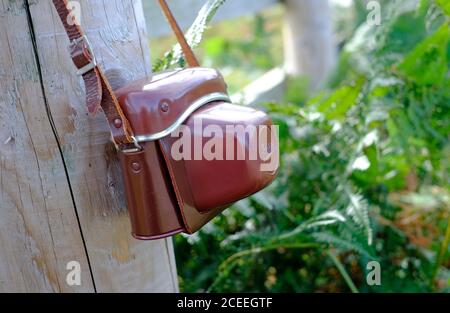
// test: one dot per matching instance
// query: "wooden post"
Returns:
(61, 197)
(309, 44)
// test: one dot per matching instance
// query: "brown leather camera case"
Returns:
(165, 195)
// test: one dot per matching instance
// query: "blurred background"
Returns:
(361, 92)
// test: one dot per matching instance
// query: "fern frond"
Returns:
(343, 244)
(358, 210)
(193, 36)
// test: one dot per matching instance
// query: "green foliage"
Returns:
(247, 52)
(427, 63)
(246, 57)
(364, 175)
(445, 5)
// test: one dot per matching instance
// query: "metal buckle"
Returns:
(91, 65)
(136, 147)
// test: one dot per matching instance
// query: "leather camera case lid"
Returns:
(155, 104)
(158, 105)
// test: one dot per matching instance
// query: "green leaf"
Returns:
(445, 5)
(339, 102)
(342, 244)
(427, 63)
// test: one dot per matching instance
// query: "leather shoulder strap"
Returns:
(191, 59)
(98, 90)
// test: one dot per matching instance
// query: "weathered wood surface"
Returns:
(60, 190)
(186, 10)
(39, 232)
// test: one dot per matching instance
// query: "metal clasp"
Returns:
(136, 147)
(91, 65)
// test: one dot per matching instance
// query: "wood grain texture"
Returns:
(117, 31)
(39, 232)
